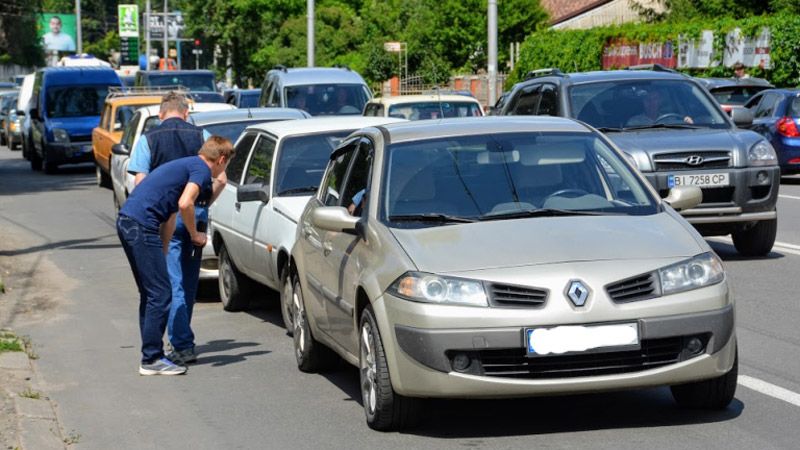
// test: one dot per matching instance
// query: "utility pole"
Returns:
(492, 52)
(78, 23)
(310, 47)
(166, 45)
(147, 35)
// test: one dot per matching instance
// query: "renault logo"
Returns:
(577, 292)
(694, 160)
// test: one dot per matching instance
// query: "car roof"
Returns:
(321, 124)
(236, 115)
(149, 111)
(403, 99)
(431, 129)
(135, 100)
(176, 72)
(714, 82)
(609, 75)
(784, 91)
(318, 75)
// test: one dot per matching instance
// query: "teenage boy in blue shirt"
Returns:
(145, 226)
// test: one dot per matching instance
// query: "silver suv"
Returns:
(320, 91)
(505, 257)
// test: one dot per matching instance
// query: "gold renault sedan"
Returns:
(505, 257)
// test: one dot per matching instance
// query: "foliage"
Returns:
(582, 50)
(682, 10)
(18, 41)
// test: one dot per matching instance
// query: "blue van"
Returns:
(65, 107)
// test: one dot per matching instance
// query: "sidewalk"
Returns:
(28, 416)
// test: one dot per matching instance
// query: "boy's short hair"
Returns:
(174, 102)
(738, 66)
(216, 147)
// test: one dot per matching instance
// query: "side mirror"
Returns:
(334, 218)
(120, 149)
(742, 117)
(684, 197)
(253, 192)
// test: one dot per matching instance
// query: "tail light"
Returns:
(787, 127)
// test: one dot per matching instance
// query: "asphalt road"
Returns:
(246, 392)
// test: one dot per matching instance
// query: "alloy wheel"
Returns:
(368, 368)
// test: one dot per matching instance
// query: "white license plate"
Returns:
(579, 338)
(702, 180)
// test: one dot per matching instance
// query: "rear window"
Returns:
(794, 107)
(435, 110)
(735, 95)
(249, 100)
(231, 130)
(193, 82)
(75, 101)
(328, 99)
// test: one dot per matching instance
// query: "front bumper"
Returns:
(421, 358)
(71, 153)
(751, 195)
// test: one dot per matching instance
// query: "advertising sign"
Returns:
(57, 32)
(619, 53)
(752, 52)
(175, 26)
(128, 20)
(696, 54)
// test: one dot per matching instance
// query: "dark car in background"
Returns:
(243, 98)
(8, 108)
(321, 91)
(733, 92)
(201, 84)
(776, 115)
(677, 134)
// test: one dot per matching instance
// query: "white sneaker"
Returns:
(162, 367)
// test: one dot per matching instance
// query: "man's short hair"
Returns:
(738, 66)
(57, 18)
(216, 147)
(174, 102)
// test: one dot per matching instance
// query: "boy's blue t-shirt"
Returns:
(156, 197)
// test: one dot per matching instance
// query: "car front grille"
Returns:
(514, 363)
(506, 295)
(679, 160)
(640, 287)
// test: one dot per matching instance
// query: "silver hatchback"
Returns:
(505, 257)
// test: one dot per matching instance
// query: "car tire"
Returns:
(234, 287)
(311, 355)
(103, 179)
(385, 410)
(716, 393)
(48, 167)
(287, 292)
(36, 161)
(756, 240)
(3, 140)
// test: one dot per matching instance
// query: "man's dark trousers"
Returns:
(145, 252)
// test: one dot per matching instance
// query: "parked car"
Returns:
(678, 135)
(118, 110)
(321, 91)
(201, 84)
(276, 169)
(8, 106)
(420, 107)
(593, 283)
(65, 107)
(734, 92)
(23, 113)
(777, 117)
(243, 98)
(14, 130)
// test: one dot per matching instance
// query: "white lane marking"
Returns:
(793, 197)
(782, 246)
(770, 389)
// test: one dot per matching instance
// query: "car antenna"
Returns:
(249, 113)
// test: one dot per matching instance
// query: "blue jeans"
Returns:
(183, 264)
(145, 254)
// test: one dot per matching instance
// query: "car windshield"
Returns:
(302, 161)
(503, 176)
(434, 110)
(618, 105)
(75, 101)
(328, 99)
(230, 130)
(194, 82)
(9, 102)
(249, 99)
(736, 95)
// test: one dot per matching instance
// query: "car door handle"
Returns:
(238, 206)
(327, 248)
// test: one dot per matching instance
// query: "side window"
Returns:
(548, 103)
(242, 151)
(130, 131)
(273, 93)
(259, 169)
(373, 109)
(355, 189)
(753, 102)
(334, 176)
(527, 101)
(766, 106)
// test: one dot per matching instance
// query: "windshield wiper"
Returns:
(430, 217)
(663, 125)
(542, 212)
(298, 190)
(607, 129)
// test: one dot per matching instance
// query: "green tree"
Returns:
(18, 41)
(683, 10)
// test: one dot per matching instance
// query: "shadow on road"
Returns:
(790, 180)
(27, 181)
(225, 346)
(70, 244)
(728, 252)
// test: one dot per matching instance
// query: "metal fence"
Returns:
(477, 85)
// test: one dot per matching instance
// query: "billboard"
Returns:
(128, 20)
(175, 26)
(57, 32)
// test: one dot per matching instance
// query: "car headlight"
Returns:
(429, 288)
(60, 135)
(699, 271)
(762, 154)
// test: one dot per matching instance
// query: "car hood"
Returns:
(546, 240)
(642, 145)
(291, 207)
(75, 126)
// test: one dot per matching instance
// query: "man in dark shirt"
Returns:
(145, 226)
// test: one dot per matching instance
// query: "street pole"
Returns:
(492, 52)
(147, 35)
(78, 23)
(310, 47)
(166, 45)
